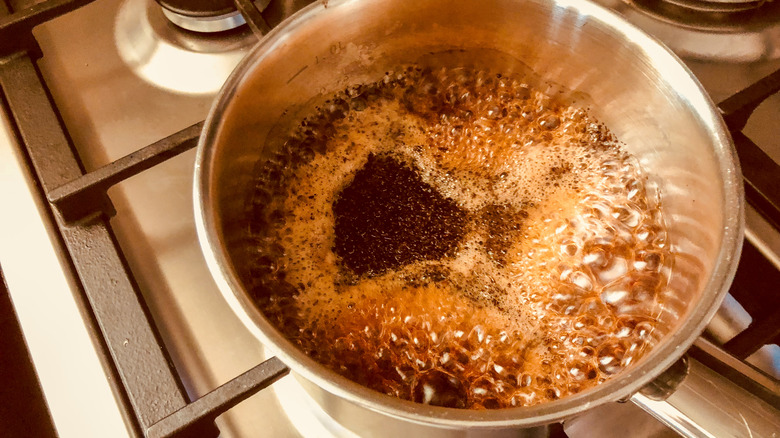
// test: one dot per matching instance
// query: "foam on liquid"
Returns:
(553, 287)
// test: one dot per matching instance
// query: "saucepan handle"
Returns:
(696, 399)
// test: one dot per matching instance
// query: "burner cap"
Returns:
(722, 6)
(199, 8)
(205, 16)
(733, 16)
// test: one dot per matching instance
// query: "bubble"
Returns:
(581, 280)
(628, 217)
(643, 330)
(568, 247)
(617, 293)
(615, 266)
(610, 358)
(581, 371)
(648, 260)
(550, 122)
(440, 389)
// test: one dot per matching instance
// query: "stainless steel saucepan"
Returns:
(632, 83)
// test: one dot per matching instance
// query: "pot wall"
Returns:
(635, 86)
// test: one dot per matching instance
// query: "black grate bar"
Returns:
(760, 173)
(758, 169)
(737, 109)
(15, 29)
(759, 333)
(180, 424)
(253, 17)
(81, 197)
(149, 381)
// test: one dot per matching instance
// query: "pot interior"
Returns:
(629, 82)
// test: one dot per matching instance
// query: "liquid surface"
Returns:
(459, 238)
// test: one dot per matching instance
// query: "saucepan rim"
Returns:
(618, 387)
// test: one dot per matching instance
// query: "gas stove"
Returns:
(98, 117)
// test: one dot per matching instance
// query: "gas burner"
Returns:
(205, 16)
(217, 23)
(721, 6)
(714, 15)
(172, 58)
(723, 31)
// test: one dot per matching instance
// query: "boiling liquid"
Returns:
(526, 261)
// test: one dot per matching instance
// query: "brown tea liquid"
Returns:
(458, 238)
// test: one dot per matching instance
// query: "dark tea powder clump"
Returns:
(388, 217)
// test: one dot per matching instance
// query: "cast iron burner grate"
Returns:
(155, 404)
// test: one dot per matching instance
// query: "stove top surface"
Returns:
(129, 78)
